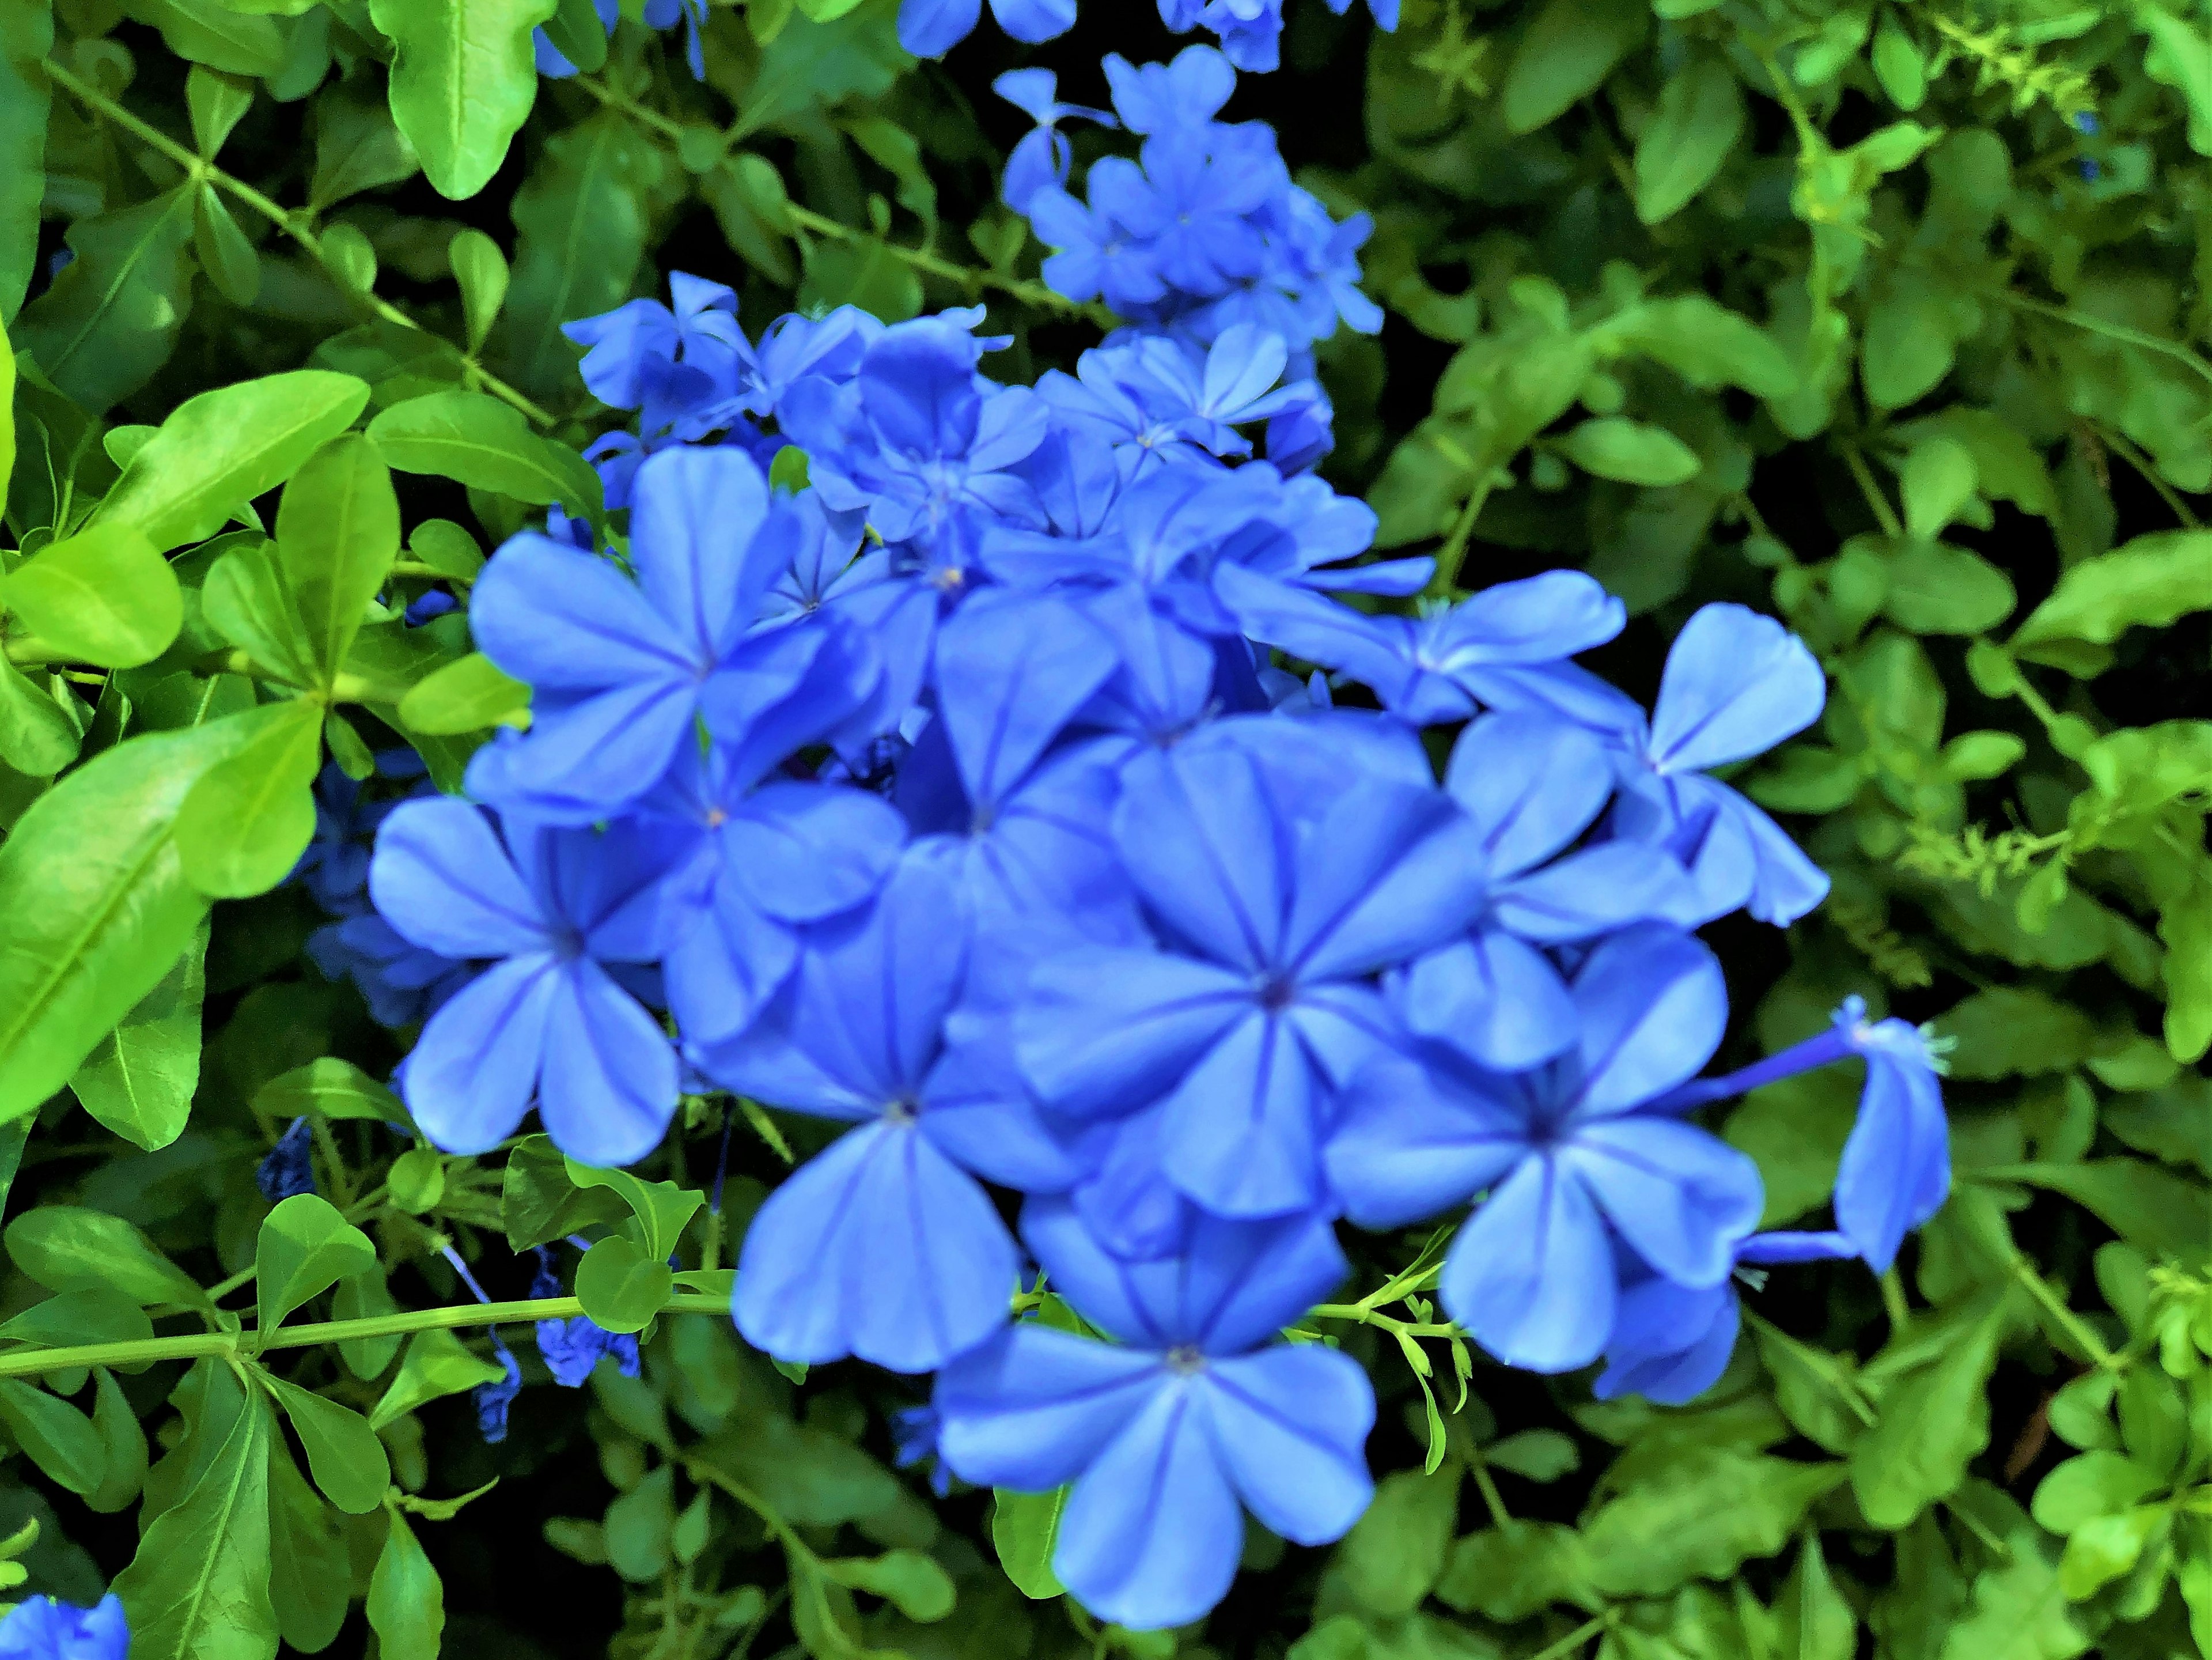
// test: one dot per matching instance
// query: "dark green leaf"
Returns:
(343, 1451)
(474, 439)
(111, 317)
(1025, 1531)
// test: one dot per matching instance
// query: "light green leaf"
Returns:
(2019, 1611)
(362, 1297)
(1697, 127)
(305, 1246)
(447, 548)
(103, 596)
(37, 736)
(663, 1209)
(57, 1438)
(2160, 1210)
(1705, 342)
(2148, 583)
(465, 695)
(231, 262)
(2095, 1484)
(1395, 1552)
(348, 1460)
(215, 103)
(215, 35)
(1567, 50)
(1510, 1572)
(334, 1088)
(65, 1248)
(1633, 452)
(1932, 1423)
(462, 80)
(199, 1587)
(474, 439)
(621, 1287)
(1936, 588)
(243, 601)
(246, 823)
(436, 1364)
(406, 1604)
(1700, 1517)
(139, 1080)
(91, 1313)
(481, 269)
(1540, 1455)
(338, 532)
(1812, 1619)
(1938, 483)
(909, 1581)
(1025, 1531)
(97, 903)
(222, 448)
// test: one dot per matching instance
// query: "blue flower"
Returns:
(1042, 157)
(1196, 1416)
(39, 1628)
(885, 1245)
(1670, 1342)
(667, 360)
(1573, 1155)
(914, 1441)
(574, 1347)
(930, 28)
(289, 1168)
(547, 1024)
(1278, 876)
(492, 1400)
(623, 671)
(402, 984)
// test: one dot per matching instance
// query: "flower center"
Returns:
(900, 1111)
(1185, 1361)
(1277, 993)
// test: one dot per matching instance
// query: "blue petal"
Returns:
(694, 513)
(1653, 1007)
(1012, 671)
(563, 619)
(1387, 873)
(1531, 784)
(1415, 1140)
(1032, 1408)
(1896, 1168)
(1243, 1129)
(723, 969)
(1531, 1274)
(1670, 1344)
(1202, 837)
(1682, 1197)
(1105, 1031)
(442, 878)
(1032, 21)
(1736, 685)
(473, 1073)
(609, 1086)
(1496, 999)
(1292, 1423)
(930, 28)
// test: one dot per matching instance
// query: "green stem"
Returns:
(1884, 514)
(26, 1363)
(1446, 583)
(2097, 326)
(1574, 1639)
(1894, 1305)
(1493, 1500)
(968, 276)
(2118, 444)
(290, 223)
(2067, 1321)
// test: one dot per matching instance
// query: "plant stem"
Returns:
(291, 224)
(2116, 331)
(1574, 1639)
(1877, 503)
(24, 1363)
(2069, 1321)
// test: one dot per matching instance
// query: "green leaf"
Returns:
(1697, 126)
(338, 532)
(621, 1287)
(1932, 1423)
(1395, 1552)
(1614, 447)
(305, 1246)
(91, 1314)
(199, 1585)
(467, 695)
(474, 439)
(2008, 1031)
(37, 736)
(97, 903)
(638, 1532)
(103, 596)
(807, 1475)
(334, 1088)
(462, 80)
(243, 827)
(65, 1248)
(447, 548)
(1025, 1531)
(406, 1603)
(310, 1578)
(357, 147)
(57, 1438)
(481, 269)
(215, 103)
(139, 1080)
(2160, 1210)
(1706, 343)
(27, 35)
(1567, 50)
(111, 317)
(1938, 484)
(213, 34)
(2179, 57)
(1936, 588)
(229, 258)
(538, 1201)
(2095, 1484)
(123, 1459)
(218, 451)
(909, 1581)
(2148, 583)
(243, 599)
(436, 1364)
(580, 221)
(1700, 1517)
(1540, 1455)
(344, 1452)
(2019, 1611)
(1507, 1573)
(362, 1297)
(663, 1209)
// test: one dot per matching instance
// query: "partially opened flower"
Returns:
(1197, 1414)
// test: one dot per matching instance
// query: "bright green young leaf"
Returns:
(65, 1248)
(139, 1080)
(37, 736)
(1633, 452)
(1025, 1531)
(621, 1287)
(481, 269)
(1696, 128)
(2089, 1486)
(338, 532)
(245, 599)
(436, 1364)
(102, 596)
(1938, 483)
(57, 1438)
(462, 80)
(305, 1246)
(911, 1582)
(467, 695)
(232, 264)
(1932, 1423)
(348, 1460)
(334, 1088)
(663, 1209)
(1813, 1621)
(446, 549)
(2148, 583)
(474, 439)
(246, 823)
(97, 903)
(1705, 342)
(2019, 1611)
(222, 448)
(199, 1584)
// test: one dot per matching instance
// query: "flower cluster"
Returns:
(956, 786)
(40, 1628)
(1203, 231)
(1251, 30)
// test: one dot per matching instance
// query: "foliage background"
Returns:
(1889, 317)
